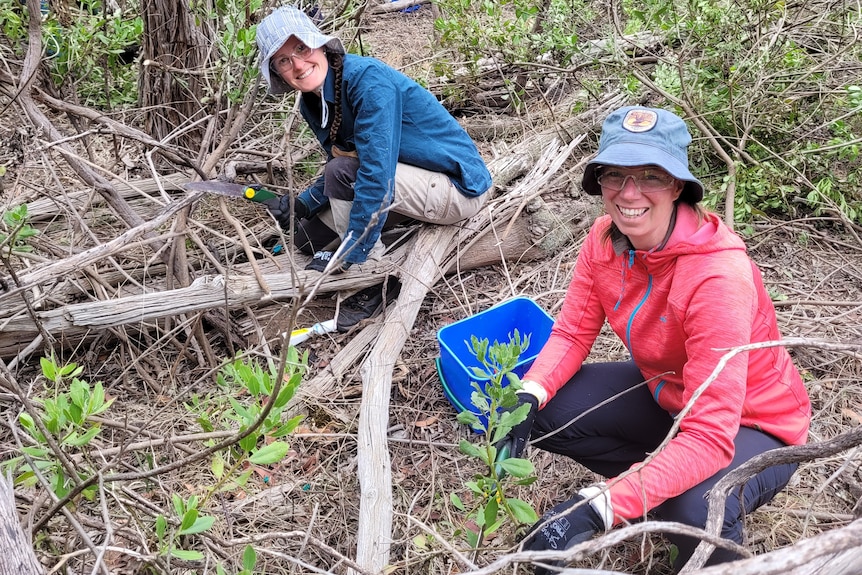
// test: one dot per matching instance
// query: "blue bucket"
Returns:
(494, 324)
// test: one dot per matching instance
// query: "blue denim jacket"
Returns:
(388, 118)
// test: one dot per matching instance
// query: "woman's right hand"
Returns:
(279, 208)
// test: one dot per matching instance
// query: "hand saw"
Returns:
(255, 193)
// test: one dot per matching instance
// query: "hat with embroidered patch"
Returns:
(276, 29)
(638, 136)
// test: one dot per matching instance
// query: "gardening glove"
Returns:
(568, 523)
(514, 442)
(279, 207)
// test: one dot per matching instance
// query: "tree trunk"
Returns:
(170, 96)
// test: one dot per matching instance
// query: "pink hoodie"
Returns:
(679, 310)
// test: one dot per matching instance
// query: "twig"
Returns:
(605, 541)
(246, 248)
(457, 555)
(290, 535)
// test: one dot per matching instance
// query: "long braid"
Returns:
(336, 61)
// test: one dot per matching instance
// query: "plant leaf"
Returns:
(161, 526)
(456, 501)
(522, 510)
(200, 525)
(75, 440)
(249, 558)
(187, 555)
(468, 448)
(269, 454)
(189, 519)
(517, 467)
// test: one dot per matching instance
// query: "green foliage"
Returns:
(492, 505)
(64, 412)
(234, 72)
(89, 52)
(245, 388)
(258, 383)
(506, 29)
(758, 73)
(13, 26)
(16, 230)
(249, 560)
(188, 521)
(86, 53)
(755, 80)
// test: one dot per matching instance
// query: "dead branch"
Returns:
(739, 476)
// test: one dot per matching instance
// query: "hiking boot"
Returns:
(319, 261)
(366, 303)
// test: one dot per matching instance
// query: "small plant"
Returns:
(495, 403)
(242, 378)
(191, 523)
(64, 416)
(16, 230)
(259, 384)
(88, 53)
(249, 560)
(247, 389)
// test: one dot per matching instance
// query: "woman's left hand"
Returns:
(564, 526)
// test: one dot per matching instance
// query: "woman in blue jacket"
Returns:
(390, 145)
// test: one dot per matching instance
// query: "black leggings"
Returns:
(615, 436)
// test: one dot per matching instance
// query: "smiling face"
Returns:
(305, 73)
(643, 215)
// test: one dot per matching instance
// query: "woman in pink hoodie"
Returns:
(677, 287)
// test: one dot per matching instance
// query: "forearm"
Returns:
(313, 197)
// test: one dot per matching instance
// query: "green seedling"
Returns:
(16, 231)
(64, 414)
(190, 522)
(492, 506)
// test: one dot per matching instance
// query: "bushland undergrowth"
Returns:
(773, 92)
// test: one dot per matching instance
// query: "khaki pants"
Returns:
(419, 194)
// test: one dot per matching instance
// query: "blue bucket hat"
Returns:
(276, 29)
(637, 136)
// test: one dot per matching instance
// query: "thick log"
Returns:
(421, 270)
(16, 549)
(49, 207)
(527, 240)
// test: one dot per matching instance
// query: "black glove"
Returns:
(514, 442)
(279, 207)
(562, 528)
